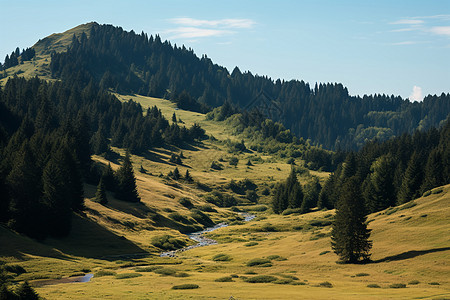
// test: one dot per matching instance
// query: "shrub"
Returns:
(427, 193)
(276, 257)
(216, 165)
(167, 242)
(201, 218)
(324, 252)
(165, 271)
(15, 269)
(105, 273)
(234, 276)
(283, 281)
(291, 211)
(326, 284)
(261, 279)
(222, 257)
(179, 218)
(186, 286)
(397, 286)
(250, 244)
(181, 274)
(434, 283)
(260, 262)
(414, 282)
(224, 279)
(373, 285)
(362, 274)
(207, 208)
(437, 191)
(186, 202)
(127, 275)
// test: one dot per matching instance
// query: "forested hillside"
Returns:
(326, 113)
(48, 132)
(395, 171)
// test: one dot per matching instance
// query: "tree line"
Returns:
(48, 132)
(16, 57)
(326, 113)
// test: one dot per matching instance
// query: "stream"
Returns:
(201, 239)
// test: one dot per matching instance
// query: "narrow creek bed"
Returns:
(201, 239)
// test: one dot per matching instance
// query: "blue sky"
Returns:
(393, 47)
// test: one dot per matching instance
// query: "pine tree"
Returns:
(174, 118)
(327, 194)
(349, 235)
(25, 292)
(188, 176)
(293, 190)
(380, 192)
(176, 174)
(100, 194)
(434, 170)
(109, 179)
(311, 196)
(126, 182)
(412, 180)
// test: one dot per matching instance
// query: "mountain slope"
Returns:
(326, 114)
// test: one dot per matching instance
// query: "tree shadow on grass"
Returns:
(410, 254)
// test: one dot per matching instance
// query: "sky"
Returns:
(394, 47)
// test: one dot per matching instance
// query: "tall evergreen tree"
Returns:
(126, 182)
(412, 180)
(100, 194)
(380, 192)
(312, 191)
(25, 292)
(434, 171)
(349, 235)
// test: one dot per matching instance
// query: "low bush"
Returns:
(179, 218)
(276, 257)
(234, 276)
(437, 191)
(260, 262)
(362, 274)
(168, 242)
(434, 283)
(181, 274)
(326, 284)
(105, 273)
(251, 244)
(201, 217)
(207, 208)
(324, 252)
(373, 285)
(15, 269)
(186, 202)
(127, 275)
(224, 279)
(397, 286)
(165, 271)
(414, 282)
(283, 281)
(186, 286)
(291, 211)
(261, 279)
(221, 257)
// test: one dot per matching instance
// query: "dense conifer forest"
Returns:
(326, 113)
(48, 132)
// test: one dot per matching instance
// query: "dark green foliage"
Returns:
(326, 284)
(221, 199)
(188, 176)
(260, 262)
(176, 159)
(412, 180)
(100, 194)
(186, 202)
(288, 194)
(397, 286)
(434, 171)
(379, 190)
(186, 286)
(25, 292)
(167, 242)
(222, 257)
(109, 178)
(312, 192)
(127, 275)
(234, 161)
(201, 217)
(349, 235)
(216, 165)
(142, 170)
(325, 113)
(175, 174)
(126, 182)
(261, 279)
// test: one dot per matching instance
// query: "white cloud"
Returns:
(441, 30)
(404, 43)
(194, 32)
(408, 22)
(223, 23)
(416, 94)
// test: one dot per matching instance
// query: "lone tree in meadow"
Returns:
(126, 182)
(349, 235)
